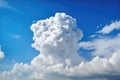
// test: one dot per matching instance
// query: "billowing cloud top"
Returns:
(57, 40)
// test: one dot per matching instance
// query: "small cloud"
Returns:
(13, 60)
(16, 36)
(1, 54)
(92, 36)
(34, 21)
(99, 26)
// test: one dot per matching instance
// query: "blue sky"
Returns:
(16, 17)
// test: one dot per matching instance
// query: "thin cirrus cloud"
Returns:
(57, 39)
(5, 4)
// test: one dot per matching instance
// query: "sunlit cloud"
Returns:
(109, 28)
(56, 38)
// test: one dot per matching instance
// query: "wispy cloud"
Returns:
(5, 4)
(109, 28)
(103, 46)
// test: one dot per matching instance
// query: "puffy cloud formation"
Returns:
(1, 54)
(57, 40)
(109, 28)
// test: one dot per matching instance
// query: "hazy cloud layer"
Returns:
(57, 40)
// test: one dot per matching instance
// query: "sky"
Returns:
(58, 40)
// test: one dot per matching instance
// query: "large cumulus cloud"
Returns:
(57, 40)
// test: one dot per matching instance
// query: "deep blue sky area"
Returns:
(15, 22)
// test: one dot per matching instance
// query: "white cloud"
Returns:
(103, 46)
(56, 38)
(1, 54)
(92, 36)
(53, 38)
(97, 69)
(109, 28)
